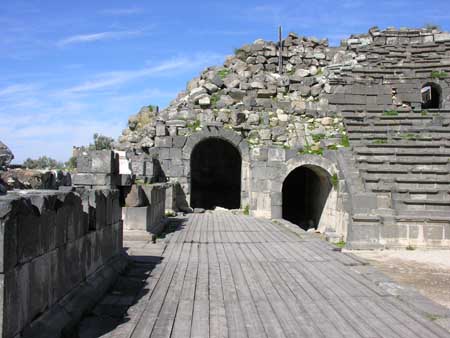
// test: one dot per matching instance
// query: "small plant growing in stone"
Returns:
(335, 181)
(410, 248)
(241, 54)
(318, 137)
(345, 142)
(332, 147)
(340, 244)
(308, 150)
(438, 75)
(424, 113)
(408, 136)
(194, 125)
(390, 113)
(246, 210)
(379, 141)
(170, 213)
(432, 317)
(214, 99)
(223, 73)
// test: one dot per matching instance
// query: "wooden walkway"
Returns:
(237, 276)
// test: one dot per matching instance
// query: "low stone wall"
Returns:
(148, 215)
(61, 251)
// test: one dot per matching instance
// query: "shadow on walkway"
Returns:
(116, 307)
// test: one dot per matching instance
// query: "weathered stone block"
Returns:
(135, 218)
(89, 179)
(135, 197)
(99, 162)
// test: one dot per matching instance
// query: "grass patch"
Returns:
(214, 98)
(345, 142)
(340, 244)
(194, 125)
(408, 136)
(318, 137)
(390, 113)
(435, 74)
(424, 113)
(410, 248)
(223, 73)
(332, 147)
(335, 181)
(379, 141)
(170, 214)
(246, 210)
(432, 317)
(308, 151)
(242, 54)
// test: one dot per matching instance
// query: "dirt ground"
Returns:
(426, 270)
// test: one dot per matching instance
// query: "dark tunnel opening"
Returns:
(215, 175)
(305, 192)
(431, 96)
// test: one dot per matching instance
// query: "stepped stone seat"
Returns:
(434, 216)
(411, 145)
(403, 160)
(423, 204)
(436, 152)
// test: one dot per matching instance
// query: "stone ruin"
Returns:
(350, 140)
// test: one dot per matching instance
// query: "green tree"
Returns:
(71, 163)
(101, 142)
(43, 162)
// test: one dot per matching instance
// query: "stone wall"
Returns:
(358, 106)
(148, 215)
(61, 251)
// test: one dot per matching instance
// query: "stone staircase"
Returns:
(402, 158)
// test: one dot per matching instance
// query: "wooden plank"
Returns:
(190, 227)
(217, 315)
(284, 316)
(200, 321)
(305, 321)
(251, 317)
(377, 307)
(235, 322)
(408, 317)
(269, 319)
(308, 296)
(166, 317)
(148, 317)
(183, 319)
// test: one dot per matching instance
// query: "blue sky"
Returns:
(69, 69)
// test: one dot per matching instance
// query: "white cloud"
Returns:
(84, 38)
(122, 11)
(176, 65)
(16, 89)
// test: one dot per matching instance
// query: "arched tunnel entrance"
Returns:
(305, 192)
(215, 175)
(431, 96)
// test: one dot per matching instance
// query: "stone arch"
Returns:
(307, 183)
(230, 137)
(431, 96)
